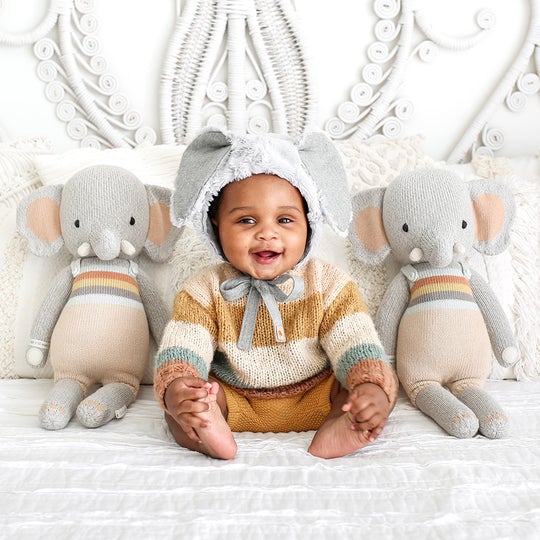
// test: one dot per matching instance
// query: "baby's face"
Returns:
(262, 226)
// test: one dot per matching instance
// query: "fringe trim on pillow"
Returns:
(18, 173)
(11, 269)
(525, 250)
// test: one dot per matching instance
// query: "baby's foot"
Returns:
(216, 438)
(336, 438)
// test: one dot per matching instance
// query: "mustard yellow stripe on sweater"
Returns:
(346, 303)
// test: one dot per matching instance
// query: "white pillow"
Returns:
(377, 161)
(151, 164)
(374, 162)
(24, 277)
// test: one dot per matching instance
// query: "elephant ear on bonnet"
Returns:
(311, 163)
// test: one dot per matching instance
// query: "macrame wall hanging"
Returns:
(375, 105)
(239, 64)
(74, 72)
(242, 64)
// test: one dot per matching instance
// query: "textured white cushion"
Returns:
(151, 164)
(24, 278)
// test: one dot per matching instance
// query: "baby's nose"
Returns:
(267, 231)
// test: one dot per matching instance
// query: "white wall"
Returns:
(447, 93)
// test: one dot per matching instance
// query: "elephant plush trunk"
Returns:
(437, 252)
(106, 245)
(441, 255)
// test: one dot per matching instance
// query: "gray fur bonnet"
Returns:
(215, 158)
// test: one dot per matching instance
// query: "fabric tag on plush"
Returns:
(121, 412)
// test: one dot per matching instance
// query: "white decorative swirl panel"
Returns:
(249, 65)
(375, 105)
(238, 64)
(86, 95)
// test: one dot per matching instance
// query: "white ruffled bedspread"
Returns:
(129, 479)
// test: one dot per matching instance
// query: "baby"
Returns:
(272, 339)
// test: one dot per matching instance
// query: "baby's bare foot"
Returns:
(336, 438)
(216, 438)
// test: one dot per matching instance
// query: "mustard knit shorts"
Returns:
(303, 412)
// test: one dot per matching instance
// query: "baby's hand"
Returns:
(186, 399)
(368, 409)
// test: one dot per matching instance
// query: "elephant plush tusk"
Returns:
(84, 249)
(416, 255)
(127, 248)
(459, 248)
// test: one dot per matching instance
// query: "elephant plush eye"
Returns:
(463, 224)
(405, 227)
(77, 223)
(132, 221)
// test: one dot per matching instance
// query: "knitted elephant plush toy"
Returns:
(97, 316)
(438, 317)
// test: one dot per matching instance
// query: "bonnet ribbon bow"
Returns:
(257, 290)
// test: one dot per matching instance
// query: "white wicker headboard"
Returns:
(451, 71)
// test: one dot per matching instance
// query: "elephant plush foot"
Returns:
(108, 402)
(448, 411)
(493, 420)
(60, 406)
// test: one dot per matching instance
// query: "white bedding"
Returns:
(128, 479)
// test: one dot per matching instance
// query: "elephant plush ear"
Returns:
(366, 231)
(162, 235)
(199, 161)
(494, 210)
(38, 219)
(323, 163)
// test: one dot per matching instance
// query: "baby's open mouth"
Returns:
(266, 256)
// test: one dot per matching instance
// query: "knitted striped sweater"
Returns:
(327, 329)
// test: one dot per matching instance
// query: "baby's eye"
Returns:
(247, 221)
(285, 220)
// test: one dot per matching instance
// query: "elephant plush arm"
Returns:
(155, 309)
(501, 336)
(393, 304)
(47, 317)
